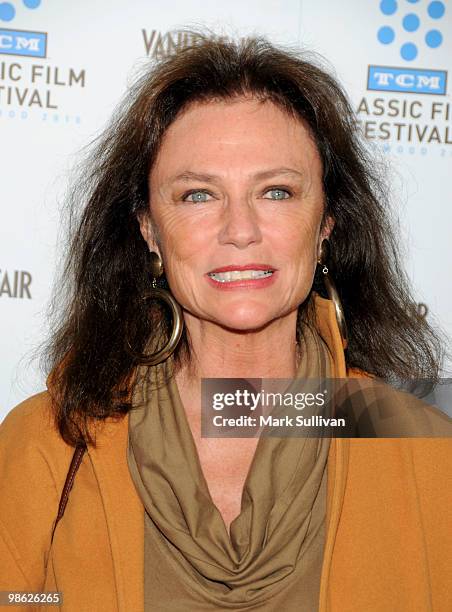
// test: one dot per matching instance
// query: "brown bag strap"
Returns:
(75, 464)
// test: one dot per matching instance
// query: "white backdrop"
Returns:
(64, 66)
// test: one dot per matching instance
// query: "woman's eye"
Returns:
(196, 196)
(200, 196)
(278, 194)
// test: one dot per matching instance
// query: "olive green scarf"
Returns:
(273, 556)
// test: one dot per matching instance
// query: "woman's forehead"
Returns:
(245, 133)
(228, 117)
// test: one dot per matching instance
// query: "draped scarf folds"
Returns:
(272, 557)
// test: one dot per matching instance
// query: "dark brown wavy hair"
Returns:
(102, 315)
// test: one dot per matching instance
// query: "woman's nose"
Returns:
(240, 225)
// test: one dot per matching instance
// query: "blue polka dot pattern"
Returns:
(408, 51)
(433, 38)
(386, 35)
(7, 11)
(436, 10)
(388, 7)
(411, 22)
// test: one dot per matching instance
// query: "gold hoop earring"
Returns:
(176, 311)
(332, 291)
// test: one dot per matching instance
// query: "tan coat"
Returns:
(388, 538)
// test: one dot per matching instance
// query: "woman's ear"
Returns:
(148, 231)
(328, 227)
(325, 232)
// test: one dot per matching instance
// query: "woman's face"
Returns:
(237, 184)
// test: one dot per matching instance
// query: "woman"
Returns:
(227, 199)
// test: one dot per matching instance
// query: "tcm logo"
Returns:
(21, 42)
(409, 30)
(407, 80)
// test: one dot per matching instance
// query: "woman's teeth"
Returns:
(227, 277)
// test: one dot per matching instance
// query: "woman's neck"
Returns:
(217, 352)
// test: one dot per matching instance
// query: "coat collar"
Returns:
(124, 510)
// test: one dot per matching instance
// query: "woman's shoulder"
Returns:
(30, 418)
(29, 438)
(33, 410)
(390, 410)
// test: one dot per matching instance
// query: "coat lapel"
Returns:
(338, 457)
(124, 514)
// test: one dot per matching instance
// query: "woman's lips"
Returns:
(250, 266)
(249, 283)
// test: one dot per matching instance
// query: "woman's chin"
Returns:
(244, 319)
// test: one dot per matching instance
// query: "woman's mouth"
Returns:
(234, 275)
(245, 277)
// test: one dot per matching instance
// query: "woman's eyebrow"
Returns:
(212, 178)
